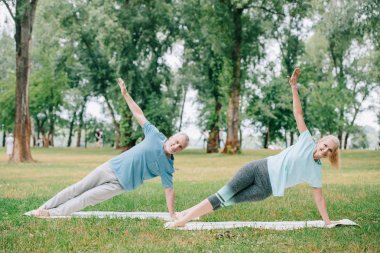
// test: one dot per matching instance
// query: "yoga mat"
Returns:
(277, 225)
(120, 215)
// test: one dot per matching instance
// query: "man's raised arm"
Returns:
(135, 109)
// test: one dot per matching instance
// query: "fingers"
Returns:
(120, 81)
(296, 73)
(122, 85)
(332, 225)
(294, 78)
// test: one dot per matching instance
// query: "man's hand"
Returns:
(294, 78)
(135, 109)
(122, 86)
(174, 216)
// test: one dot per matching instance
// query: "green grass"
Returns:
(352, 193)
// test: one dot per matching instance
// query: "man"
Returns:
(151, 158)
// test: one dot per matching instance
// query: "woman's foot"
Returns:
(41, 213)
(175, 224)
(294, 78)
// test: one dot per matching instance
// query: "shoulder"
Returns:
(149, 127)
(305, 136)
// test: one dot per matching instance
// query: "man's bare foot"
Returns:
(294, 78)
(41, 213)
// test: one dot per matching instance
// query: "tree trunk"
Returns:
(356, 111)
(85, 136)
(340, 128)
(182, 110)
(45, 140)
(213, 141)
(286, 140)
(71, 129)
(80, 125)
(24, 18)
(291, 138)
(114, 122)
(79, 135)
(4, 136)
(232, 143)
(127, 131)
(346, 140)
(213, 138)
(267, 138)
(51, 130)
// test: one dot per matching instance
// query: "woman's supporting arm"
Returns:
(321, 204)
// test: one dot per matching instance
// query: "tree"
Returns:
(247, 20)
(338, 30)
(355, 74)
(289, 36)
(7, 81)
(205, 67)
(146, 31)
(269, 110)
(48, 82)
(24, 18)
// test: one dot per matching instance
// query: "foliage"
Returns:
(236, 55)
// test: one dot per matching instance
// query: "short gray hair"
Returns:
(187, 139)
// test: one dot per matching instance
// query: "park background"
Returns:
(214, 69)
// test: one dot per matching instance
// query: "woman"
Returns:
(150, 158)
(271, 176)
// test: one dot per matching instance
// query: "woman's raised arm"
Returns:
(297, 109)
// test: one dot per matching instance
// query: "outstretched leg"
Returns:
(91, 197)
(101, 175)
(250, 183)
(198, 210)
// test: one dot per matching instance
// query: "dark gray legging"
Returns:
(250, 183)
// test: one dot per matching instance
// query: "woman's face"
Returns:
(324, 148)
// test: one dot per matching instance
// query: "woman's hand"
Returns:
(330, 225)
(122, 86)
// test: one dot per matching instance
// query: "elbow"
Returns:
(318, 199)
(169, 190)
(318, 196)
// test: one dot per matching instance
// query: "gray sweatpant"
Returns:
(250, 183)
(101, 184)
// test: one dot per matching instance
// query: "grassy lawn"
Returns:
(353, 193)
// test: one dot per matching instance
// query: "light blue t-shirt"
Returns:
(295, 165)
(144, 161)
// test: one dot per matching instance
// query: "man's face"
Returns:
(175, 144)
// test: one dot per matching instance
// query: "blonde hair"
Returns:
(334, 157)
